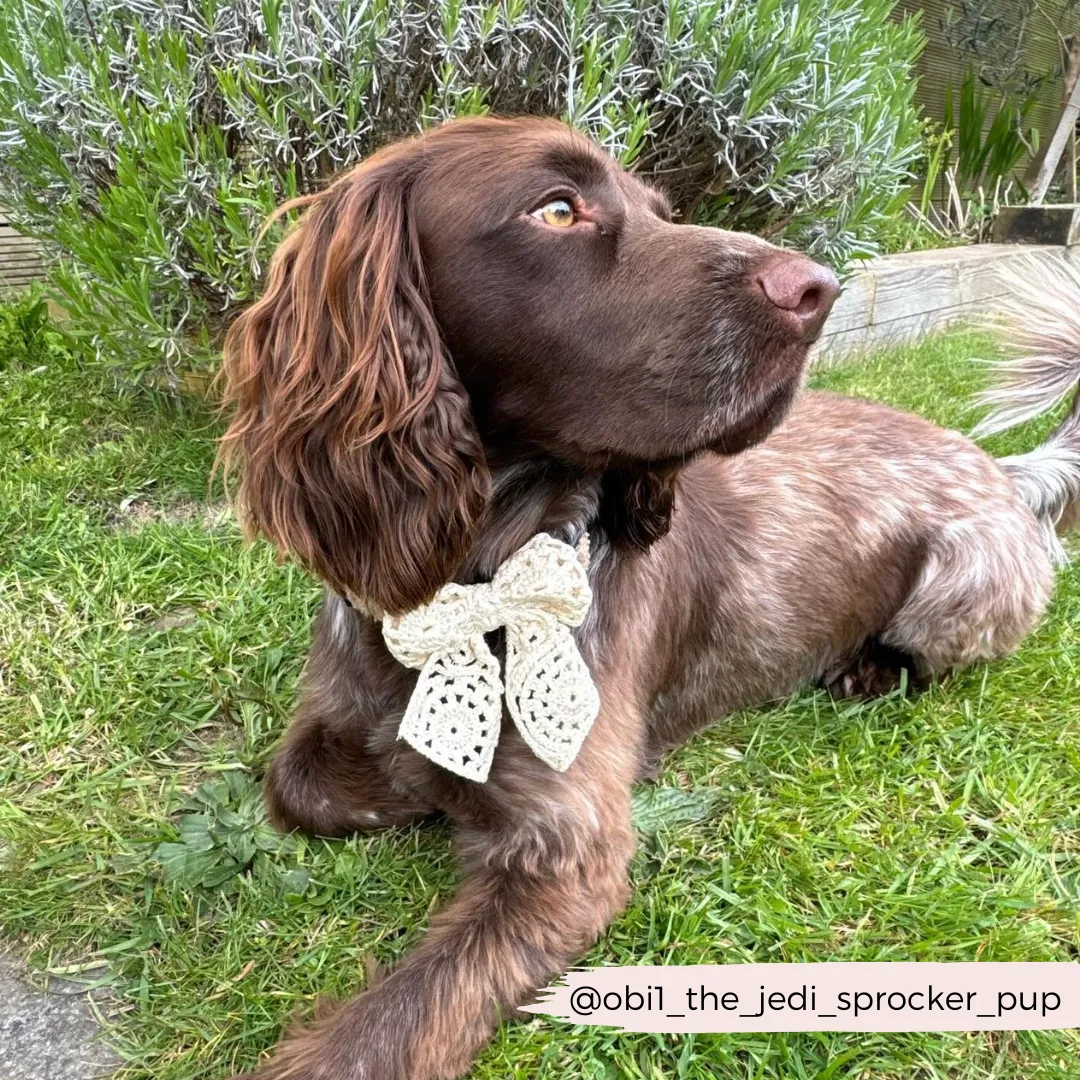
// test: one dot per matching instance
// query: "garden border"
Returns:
(899, 299)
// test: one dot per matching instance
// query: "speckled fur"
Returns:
(834, 542)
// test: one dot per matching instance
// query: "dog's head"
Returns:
(493, 289)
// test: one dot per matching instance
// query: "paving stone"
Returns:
(48, 1035)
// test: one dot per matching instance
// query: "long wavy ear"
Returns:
(637, 504)
(351, 431)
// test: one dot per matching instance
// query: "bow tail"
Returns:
(454, 714)
(549, 691)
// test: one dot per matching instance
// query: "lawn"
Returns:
(148, 661)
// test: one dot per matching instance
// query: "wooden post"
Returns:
(1066, 125)
(1070, 67)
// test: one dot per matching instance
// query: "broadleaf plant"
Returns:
(224, 832)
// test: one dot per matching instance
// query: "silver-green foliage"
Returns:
(145, 140)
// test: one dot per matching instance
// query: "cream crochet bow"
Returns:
(455, 712)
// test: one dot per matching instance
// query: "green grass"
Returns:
(144, 650)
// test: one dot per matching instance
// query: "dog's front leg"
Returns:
(542, 876)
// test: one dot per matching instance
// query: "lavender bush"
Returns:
(144, 141)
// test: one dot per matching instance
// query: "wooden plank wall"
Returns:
(20, 258)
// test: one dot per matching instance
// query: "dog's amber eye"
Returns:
(558, 212)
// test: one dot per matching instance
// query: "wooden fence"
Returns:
(20, 258)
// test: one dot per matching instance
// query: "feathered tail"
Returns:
(1040, 323)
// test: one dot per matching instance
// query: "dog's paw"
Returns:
(876, 670)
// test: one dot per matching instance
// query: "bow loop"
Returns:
(561, 591)
(454, 714)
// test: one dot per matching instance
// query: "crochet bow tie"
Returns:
(455, 712)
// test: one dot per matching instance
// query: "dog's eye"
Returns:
(558, 212)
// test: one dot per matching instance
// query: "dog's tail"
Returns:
(1040, 325)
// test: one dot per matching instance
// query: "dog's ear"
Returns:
(351, 431)
(637, 504)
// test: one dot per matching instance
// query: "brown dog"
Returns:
(492, 331)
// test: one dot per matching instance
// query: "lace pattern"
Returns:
(455, 712)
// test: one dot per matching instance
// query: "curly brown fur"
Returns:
(344, 402)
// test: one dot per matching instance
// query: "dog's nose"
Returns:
(802, 288)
